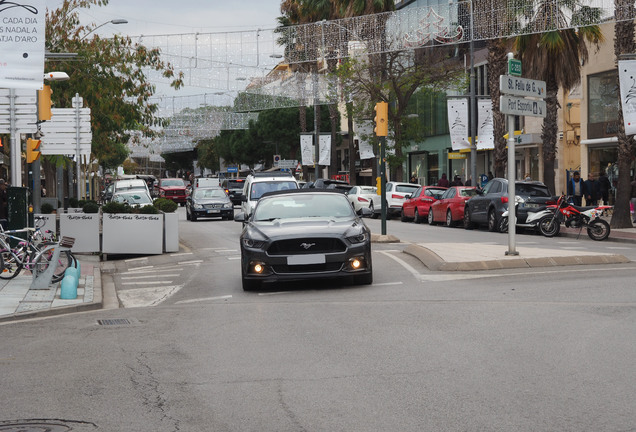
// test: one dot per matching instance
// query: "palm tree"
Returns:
(623, 44)
(555, 57)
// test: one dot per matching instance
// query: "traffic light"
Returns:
(32, 153)
(378, 185)
(381, 119)
(44, 103)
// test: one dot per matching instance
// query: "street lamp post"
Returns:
(114, 21)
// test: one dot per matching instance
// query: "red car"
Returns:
(450, 207)
(416, 207)
(173, 189)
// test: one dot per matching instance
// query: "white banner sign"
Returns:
(458, 123)
(307, 149)
(22, 44)
(325, 150)
(485, 134)
(626, 74)
(364, 132)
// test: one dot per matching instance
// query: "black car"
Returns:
(234, 188)
(489, 204)
(338, 185)
(209, 202)
(304, 234)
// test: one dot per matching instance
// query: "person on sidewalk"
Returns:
(606, 186)
(576, 188)
(633, 200)
(592, 190)
(443, 182)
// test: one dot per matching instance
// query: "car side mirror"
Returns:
(239, 217)
(243, 198)
(365, 212)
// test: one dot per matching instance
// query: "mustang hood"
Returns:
(306, 227)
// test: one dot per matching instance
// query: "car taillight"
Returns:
(504, 199)
(394, 196)
(363, 199)
(227, 191)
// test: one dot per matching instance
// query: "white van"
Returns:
(256, 184)
(206, 182)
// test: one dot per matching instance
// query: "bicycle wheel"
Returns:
(11, 264)
(43, 260)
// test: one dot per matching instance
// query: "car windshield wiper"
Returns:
(267, 220)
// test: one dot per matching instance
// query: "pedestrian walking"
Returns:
(413, 179)
(606, 186)
(443, 182)
(457, 181)
(592, 190)
(576, 188)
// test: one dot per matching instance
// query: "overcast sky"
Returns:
(152, 17)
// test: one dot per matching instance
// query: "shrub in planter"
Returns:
(165, 205)
(90, 207)
(148, 209)
(115, 207)
(73, 203)
(46, 208)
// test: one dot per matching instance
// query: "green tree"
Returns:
(623, 44)
(110, 75)
(555, 56)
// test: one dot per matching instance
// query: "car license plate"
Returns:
(214, 211)
(306, 259)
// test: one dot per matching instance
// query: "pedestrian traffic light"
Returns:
(44, 103)
(381, 119)
(32, 153)
(378, 185)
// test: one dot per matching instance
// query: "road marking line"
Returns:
(404, 264)
(147, 283)
(204, 299)
(387, 283)
(619, 247)
(136, 259)
(153, 270)
(226, 250)
(234, 257)
(153, 275)
(190, 262)
(140, 268)
(144, 297)
(181, 254)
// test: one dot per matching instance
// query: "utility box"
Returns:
(17, 207)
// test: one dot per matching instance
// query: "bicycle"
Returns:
(33, 253)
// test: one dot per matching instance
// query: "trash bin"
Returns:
(17, 207)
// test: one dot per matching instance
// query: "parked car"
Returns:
(130, 184)
(449, 208)
(339, 185)
(206, 182)
(365, 196)
(209, 202)
(234, 188)
(256, 184)
(133, 197)
(173, 189)
(488, 205)
(416, 205)
(395, 195)
(304, 234)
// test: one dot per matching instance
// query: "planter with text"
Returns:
(171, 232)
(84, 228)
(127, 233)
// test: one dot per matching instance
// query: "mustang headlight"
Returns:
(358, 238)
(253, 243)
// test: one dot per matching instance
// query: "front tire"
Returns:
(431, 217)
(467, 223)
(449, 219)
(503, 224)
(492, 221)
(416, 216)
(549, 226)
(598, 230)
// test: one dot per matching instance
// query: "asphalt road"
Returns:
(543, 350)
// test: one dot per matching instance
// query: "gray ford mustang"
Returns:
(304, 234)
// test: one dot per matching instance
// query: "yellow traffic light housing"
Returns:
(44, 103)
(32, 153)
(381, 119)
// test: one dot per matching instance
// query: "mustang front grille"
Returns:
(306, 246)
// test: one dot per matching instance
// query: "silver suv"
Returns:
(256, 184)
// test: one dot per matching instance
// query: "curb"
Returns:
(434, 262)
(98, 300)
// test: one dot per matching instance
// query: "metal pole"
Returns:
(383, 181)
(473, 106)
(512, 217)
(16, 151)
(77, 150)
(316, 127)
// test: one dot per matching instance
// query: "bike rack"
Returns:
(43, 280)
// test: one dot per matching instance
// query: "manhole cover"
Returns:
(34, 427)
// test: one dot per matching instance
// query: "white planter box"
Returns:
(50, 223)
(84, 228)
(124, 233)
(171, 232)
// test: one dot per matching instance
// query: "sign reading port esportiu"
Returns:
(521, 107)
(22, 27)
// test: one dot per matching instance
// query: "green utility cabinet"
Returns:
(17, 207)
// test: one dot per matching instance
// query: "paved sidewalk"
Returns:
(18, 301)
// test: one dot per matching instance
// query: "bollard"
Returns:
(69, 287)
(72, 271)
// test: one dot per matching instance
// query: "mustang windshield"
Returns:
(303, 206)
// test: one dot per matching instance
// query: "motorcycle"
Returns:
(532, 219)
(575, 217)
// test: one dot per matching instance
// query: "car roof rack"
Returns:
(270, 174)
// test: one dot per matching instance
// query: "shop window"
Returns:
(603, 105)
